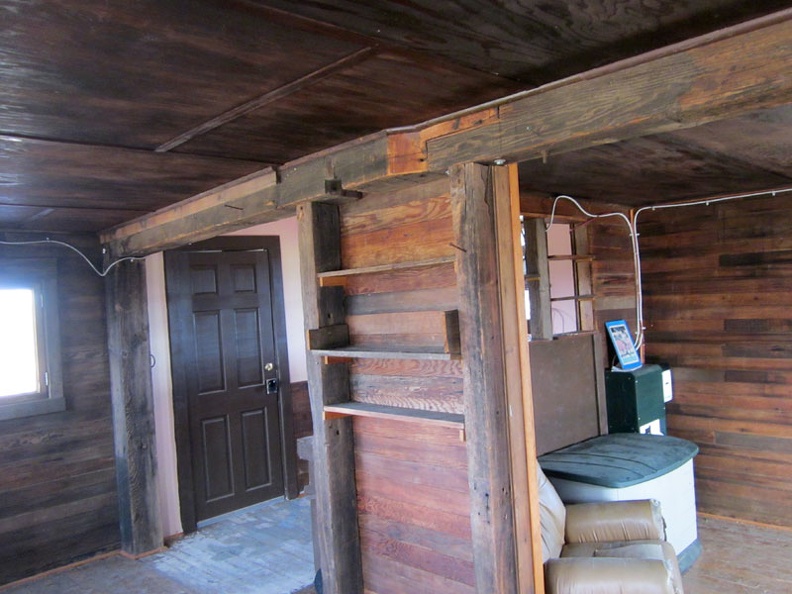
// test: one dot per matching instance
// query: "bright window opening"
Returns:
(31, 379)
(19, 373)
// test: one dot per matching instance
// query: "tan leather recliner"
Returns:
(605, 548)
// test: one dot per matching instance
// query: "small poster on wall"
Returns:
(623, 345)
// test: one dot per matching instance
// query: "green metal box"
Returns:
(635, 399)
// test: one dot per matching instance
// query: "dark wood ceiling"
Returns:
(746, 154)
(110, 109)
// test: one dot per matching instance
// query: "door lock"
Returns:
(272, 385)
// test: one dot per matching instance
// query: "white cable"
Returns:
(633, 227)
(633, 242)
(74, 249)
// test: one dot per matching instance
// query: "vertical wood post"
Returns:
(522, 437)
(133, 408)
(486, 408)
(334, 462)
(538, 274)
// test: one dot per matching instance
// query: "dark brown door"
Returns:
(223, 340)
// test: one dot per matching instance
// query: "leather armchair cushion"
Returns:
(552, 517)
(654, 550)
(607, 576)
(614, 521)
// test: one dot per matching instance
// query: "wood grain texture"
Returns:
(301, 410)
(133, 408)
(683, 89)
(486, 410)
(59, 500)
(703, 166)
(428, 393)
(339, 543)
(739, 557)
(717, 279)
(439, 276)
(532, 42)
(414, 510)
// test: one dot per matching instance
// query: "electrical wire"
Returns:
(74, 249)
(632, 225)
(633, 243)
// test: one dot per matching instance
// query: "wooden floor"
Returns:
(266, 549)
(269, 551)
(740, 558)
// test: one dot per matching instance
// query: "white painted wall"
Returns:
(163, 401)
(286, 230)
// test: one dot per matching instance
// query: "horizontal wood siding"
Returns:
(414, 508)
(717, 283)
(612, 276)
(406, 306)
(58, 501)
(411, 478)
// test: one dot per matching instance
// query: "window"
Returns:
(558, 289)
(30, 376)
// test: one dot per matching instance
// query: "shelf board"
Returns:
(381, 411)
(336, 277)
(574, 298)
(362, 352)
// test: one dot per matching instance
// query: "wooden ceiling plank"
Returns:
(742, 72)
(295, 86)
(721, 79)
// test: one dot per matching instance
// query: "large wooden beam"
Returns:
(721, 76)
(718, 76)
(483, 363)
(334, 459)
(133, 408)
(255, 199)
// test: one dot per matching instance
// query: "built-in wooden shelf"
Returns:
(381, 411)
(334, 278)
(364, 352)
(332, 343)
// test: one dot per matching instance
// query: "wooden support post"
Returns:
(583, 277)
(538, 275)
(517, 369)
(334, 462)
(133, 408)
(486, 407)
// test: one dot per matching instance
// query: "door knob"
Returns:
(269, 367)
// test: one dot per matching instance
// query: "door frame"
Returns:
(180, 368)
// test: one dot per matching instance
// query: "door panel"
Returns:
(227, 340)
(216, 442)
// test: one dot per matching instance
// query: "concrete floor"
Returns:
(262, 550)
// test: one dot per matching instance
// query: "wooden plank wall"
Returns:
(412, 482)
(58, 499)
(612, 275)
(413, 508)
(303, 427)
(717, 284)
(301, 409)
